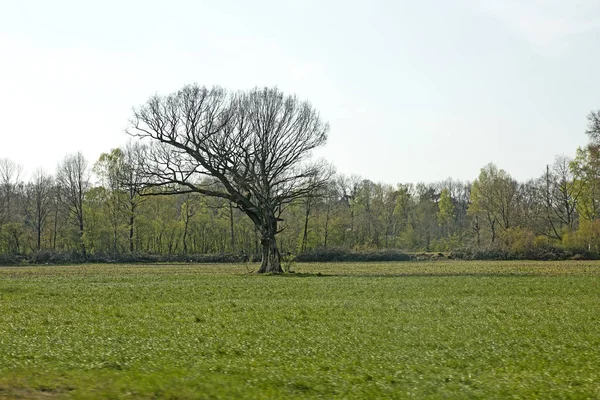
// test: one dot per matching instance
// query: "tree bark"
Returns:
(82, 240)
(306, 216)
(326, 226)
(271, 258)
(131, 220)
(232, 231)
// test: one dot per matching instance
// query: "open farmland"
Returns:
(394, 330)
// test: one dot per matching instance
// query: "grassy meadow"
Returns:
(444, 329)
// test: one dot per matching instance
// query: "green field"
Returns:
(390, 330)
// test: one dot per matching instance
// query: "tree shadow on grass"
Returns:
(407, 275)
(300, 275)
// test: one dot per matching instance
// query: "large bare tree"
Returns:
(253, 146)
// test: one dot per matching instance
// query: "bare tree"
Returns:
(10, 179)
(254, 144)
(131, 179)
(73, 179)
(562, 188)
(38, 203)
(593, 128)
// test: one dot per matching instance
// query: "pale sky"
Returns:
(413, 90)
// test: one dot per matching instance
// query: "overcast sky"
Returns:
(413, 90)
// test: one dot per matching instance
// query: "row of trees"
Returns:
(66, 213)
(236, 170)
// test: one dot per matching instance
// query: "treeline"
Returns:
(66, 217)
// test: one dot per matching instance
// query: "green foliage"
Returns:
(553, 217)
(415, 330)
(585, 239)
(445, 214)
(11, 238)
(288, 262)
(341, 254)
(518, 240)
(449, 243)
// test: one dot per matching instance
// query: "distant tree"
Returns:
(349, 186)
(494, 195)
(593, 128)
(402, 228)
(131, 179)
(10, 179)
(188, 208)
(11, 223)
(561, 188)
(586, 170)
(120, 175)
(255, 144)
(423, 217)
(330, 196)
(73, 180)
(111, 197)
(445, 212)
(38, 203)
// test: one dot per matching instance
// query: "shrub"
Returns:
(8, 259)
(339, 254)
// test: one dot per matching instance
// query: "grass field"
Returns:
(390, 330)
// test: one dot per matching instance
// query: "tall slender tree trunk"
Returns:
(131, 246)
(326, 226)
(115, 241)
(132, 208)
(493, 227)
(55, 230)
(231, 228)
(38, 229)
(477, 230)
(81, 238)
(39, 239)
(185, 234)
(305, 235)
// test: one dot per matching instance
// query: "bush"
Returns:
(339, 254)
(40, 257)
(541, 253)
(53, 257)
(9, 259)
(519, 241)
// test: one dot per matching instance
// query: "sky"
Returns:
(414, 91)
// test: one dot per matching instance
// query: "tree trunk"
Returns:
(55, 228)
(232, 231)
(185, 234)
(131, 220)
(326, 227)
(39, 237)
(305, 235)
(271, 258)
(115, 241)
(477, 230)
(82, 240)
(255, 241)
